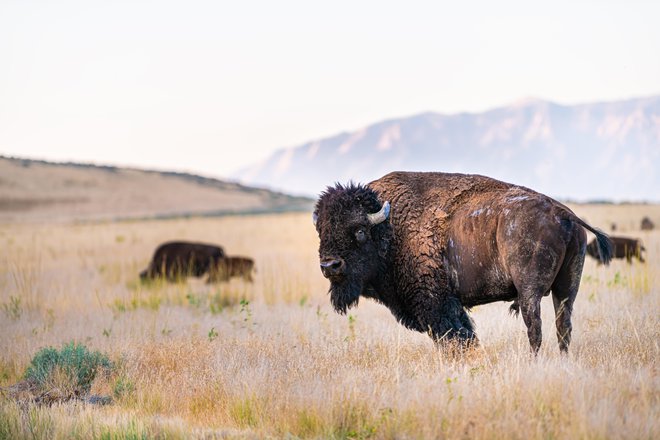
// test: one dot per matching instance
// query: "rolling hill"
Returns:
(33, 190)
(597, 151)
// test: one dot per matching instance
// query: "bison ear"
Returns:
(315, 217)
(380, 216)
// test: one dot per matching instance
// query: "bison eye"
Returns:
(360, 236)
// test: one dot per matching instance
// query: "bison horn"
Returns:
(380, 216)
(315, 217)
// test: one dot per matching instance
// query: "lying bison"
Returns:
(430, 245)
(177, 259)
(622, 247)
(229, 267)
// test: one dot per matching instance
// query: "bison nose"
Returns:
(332, 267)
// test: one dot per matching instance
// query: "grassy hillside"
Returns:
(272, 360)
(42, 191)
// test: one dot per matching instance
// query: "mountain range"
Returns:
(607, 151)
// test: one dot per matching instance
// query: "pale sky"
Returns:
(212, 86)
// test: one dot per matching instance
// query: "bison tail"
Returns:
(605, 248)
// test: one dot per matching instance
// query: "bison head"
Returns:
(354, 234)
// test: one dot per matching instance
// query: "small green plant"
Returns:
(193, 300)
(13, 308)
(322, 316)
(152, 302)
(245, 311)
(74, 363)
(351, 326)
(589, 279)
(450, 390)
(118, 306)
(618, 280)
(218, 302)
(212, 334)
(215, 304)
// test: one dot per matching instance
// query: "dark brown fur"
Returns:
(230, 267)
(647, 224)
(177, 259)
(451, 242)
(622, 247)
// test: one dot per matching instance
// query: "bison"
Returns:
(647, 224)
(176, 259)
(229, 267)
(431, 245)
(622, 247)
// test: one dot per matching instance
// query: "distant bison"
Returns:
(177, 259)
(430, 245)
(647, 224)
(622, 247)
(229, 267)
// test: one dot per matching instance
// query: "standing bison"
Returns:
(177, 259)
(431, 245)
(647, 224)
(622, 247)
(230, 267)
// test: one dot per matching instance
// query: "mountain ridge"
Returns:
(606, 150)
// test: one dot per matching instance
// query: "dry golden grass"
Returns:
(273, 360)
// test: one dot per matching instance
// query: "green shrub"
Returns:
(74, 361)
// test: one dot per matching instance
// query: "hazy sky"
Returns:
(211, 86)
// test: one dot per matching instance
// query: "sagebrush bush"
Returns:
(74, 361)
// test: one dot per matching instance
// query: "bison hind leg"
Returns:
(564, 292)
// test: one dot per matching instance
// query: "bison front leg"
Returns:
(450, 325)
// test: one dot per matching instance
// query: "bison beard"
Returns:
(345, 294)
(454, 241)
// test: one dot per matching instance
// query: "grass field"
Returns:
(271, 359)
